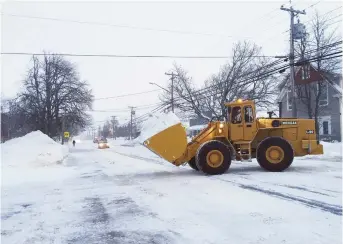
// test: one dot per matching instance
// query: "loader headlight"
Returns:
(220, 131)
(221, 125)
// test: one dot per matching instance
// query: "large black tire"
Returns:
(192, 164)
(209, 148)
(281, 162)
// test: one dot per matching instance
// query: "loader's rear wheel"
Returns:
(274, 154)
(192, 164)
(213, 157)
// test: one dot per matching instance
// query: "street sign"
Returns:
(66, 134)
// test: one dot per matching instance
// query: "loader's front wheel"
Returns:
(213, 157)
(192, 164)
(274, 154)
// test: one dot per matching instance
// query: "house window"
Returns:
(324, 125)
(305, 74)
(325, 128)
(324, 93)
(289, 99)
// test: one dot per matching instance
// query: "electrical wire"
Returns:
(204, 89)
(126, 95)
(311, 6)
(261, 76)
(120, 26)
(126, 56)
(276, 70)
(272, 37)
(146, 115)
(125, 110)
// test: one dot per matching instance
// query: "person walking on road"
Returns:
(73, 143)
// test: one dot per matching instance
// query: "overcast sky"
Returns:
(228, 22)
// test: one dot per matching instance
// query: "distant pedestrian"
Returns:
(74, 143)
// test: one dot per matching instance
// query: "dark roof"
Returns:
(329, 76)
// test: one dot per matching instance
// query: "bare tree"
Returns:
(242, 77)
(106, 129)
(52, 91)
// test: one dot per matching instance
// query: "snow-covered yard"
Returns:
(126, 194)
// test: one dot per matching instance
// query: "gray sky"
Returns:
(260, 22)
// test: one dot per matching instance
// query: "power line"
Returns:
(335, 17)
(263, 75)
(339, 21)
(209, 90)
(162, 106)
(311, 6)
(120, 26)
(262, 17)
(128, 56)
(126, 95)
(124, 110)
(330, 11)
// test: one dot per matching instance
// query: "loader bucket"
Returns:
(169, 144)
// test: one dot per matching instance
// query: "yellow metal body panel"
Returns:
(236, 132)
(170, 143)
(312, 147)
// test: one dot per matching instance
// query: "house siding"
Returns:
(331, 110)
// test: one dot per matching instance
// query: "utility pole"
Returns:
(172, 88)
(291, 56)
(132, 113)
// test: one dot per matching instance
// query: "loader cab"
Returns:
(241, 119)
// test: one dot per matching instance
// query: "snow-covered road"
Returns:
(128, 195)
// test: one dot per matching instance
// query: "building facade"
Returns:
(308, 83)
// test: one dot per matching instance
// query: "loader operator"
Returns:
(237, 115)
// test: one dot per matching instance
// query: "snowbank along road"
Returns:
(125, 194)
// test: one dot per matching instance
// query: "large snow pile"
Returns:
(154, 124)
(332, 151)
(33, 149)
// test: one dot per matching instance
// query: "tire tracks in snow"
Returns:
(316, 204)
(146, 159)
(331, 208)
(103, 226)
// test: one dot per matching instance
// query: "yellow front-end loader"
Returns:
(274, 142)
